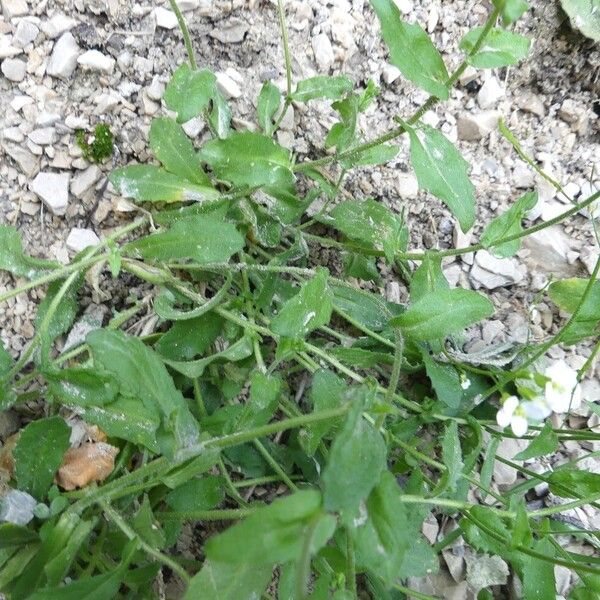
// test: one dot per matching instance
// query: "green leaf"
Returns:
(197, 494)
(428, 278)
(195, 368)
(63, 317)
(371, 310)
(445, 380)
(189, 92)
(250, 159)
(443, 313)
(326, 392)
(359, 357)
(176, 152)
(14, 260)
(443, 172)
(189, 338)
(127, 419)
(451, 456)
(39, 453)
(145, 524)
(99, 587)
(229, 582)
(343, 133)
(12, 535)
(356, 460)
(147, 183)
(268, 104)
(273, 534)
(501, 48)
(262, 402)
(584, 16)
(369, 222)
(322, 86)
(141, 374)
(220, 115)
(567, 295)
(411, 50)
(382, 541)
(538, 575)
(82, 386)
(6, 361)
(580, 483)
(507, 224)
(378, 155)
(310, 308)
(511, 10)
(201, 238)
(546, 442)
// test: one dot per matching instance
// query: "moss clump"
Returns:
(100, 147)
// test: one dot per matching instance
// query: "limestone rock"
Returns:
(53, 191)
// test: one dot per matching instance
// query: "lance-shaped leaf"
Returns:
(507, 224)
(443, 313)
(322, 86)
(442, 171)
(147, 183)
(370, 222)
(501, 48)
(39, 453)
(411, 50)
(310, 308)
(269, 101)
(189, 92)
(176, 152)
(202, 238)
(250, 159)
(14, 260)
(142, 375)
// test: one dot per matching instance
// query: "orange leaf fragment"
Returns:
(90, 462)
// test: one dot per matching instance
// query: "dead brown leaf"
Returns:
(90, 462)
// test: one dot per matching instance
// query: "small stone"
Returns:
(25, 33)
(323, 52)
(17, 507)
(14, 8)
(19, 102)
(9, 423)
(13, 134)
(491, 272)
(227, 86)
(404, 6)
(508, 448)
(6, 48)
(470, 74)
(27, 161)
(287, 123)
(53, 191)
(96, 61)
(463, 240)
(476, 126)
(531, 103)
(156, 90)
(186, 5)
(390, 73)
(193, 127)
(548, 251)
(569, 112)
(43, 137)
(14, 69)
(407, 186)
(83, 181)
(80, 239)
(57, 25)
(589, 257)
(63, 60)
(490, 93)
(165, 18)
(233, 32)
(522, 177)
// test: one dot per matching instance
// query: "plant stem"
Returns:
(303, 570)
(187, 40)
(286, 48)
(120, 522)
(227, 514)
(350, 566)
(398, 131)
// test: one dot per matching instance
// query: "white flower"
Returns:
(514, 415)
(465, 382)
(537, 409)
(563, 391)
